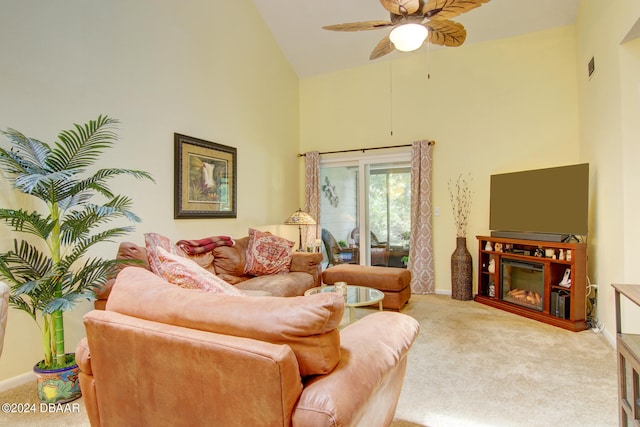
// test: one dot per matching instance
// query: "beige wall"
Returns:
(630, 83)
(493, 107)
(609, 141)
(207, 69)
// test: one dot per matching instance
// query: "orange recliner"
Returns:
(163, 355)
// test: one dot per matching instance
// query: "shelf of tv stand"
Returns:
(553, 270)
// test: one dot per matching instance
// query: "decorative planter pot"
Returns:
(461, 271)
(58, 385)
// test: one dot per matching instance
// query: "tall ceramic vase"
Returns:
(461, 270)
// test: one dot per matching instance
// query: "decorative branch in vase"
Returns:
(460, 196)
(461, 263)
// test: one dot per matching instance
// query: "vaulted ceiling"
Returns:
(297, 27)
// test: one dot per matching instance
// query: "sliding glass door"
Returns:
(389, 207)
(339, 206)
(365, 210)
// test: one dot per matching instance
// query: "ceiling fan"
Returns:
(415, 21)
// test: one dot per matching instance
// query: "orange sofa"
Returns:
(227, 262)
(164, 355)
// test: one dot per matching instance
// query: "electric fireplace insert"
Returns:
(522, 283)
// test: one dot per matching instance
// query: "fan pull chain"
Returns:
(428, 60)
(390, 97)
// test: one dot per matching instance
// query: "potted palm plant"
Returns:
(51, 272)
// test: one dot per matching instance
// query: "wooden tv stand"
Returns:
(490, 290)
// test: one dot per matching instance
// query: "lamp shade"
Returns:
(300, 217)
(408, 37)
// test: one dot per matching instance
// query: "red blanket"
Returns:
(201, 246)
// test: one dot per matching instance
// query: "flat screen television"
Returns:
(544, 204)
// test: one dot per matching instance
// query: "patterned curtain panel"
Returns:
(312, 195)
(421, 244)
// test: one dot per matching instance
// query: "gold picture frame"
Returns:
(205, 179)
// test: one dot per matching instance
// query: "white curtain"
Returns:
(421, 243)
(312, 195)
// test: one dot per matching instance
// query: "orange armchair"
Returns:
(163, 355)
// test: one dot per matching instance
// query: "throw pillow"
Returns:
(267, 254)
(188, 274)
(152, 242)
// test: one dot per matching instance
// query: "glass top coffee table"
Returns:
(357, 296)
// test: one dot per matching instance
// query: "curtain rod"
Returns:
(365, 149)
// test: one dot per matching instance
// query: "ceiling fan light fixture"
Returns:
(408, 37)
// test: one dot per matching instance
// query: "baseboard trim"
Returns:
(16, 381)
(611, 339)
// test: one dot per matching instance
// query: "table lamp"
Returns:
(300, 218)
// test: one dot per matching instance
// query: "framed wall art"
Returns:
(205, 179)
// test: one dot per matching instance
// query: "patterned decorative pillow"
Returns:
(152, 242)
(267, 254)
(188, 274)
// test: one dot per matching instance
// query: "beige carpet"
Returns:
(477, 366)
(472, 365)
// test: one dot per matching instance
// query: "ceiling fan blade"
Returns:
(446, 33)
(382, 48)
(447, 9)
(358, 26)
(401, 7)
